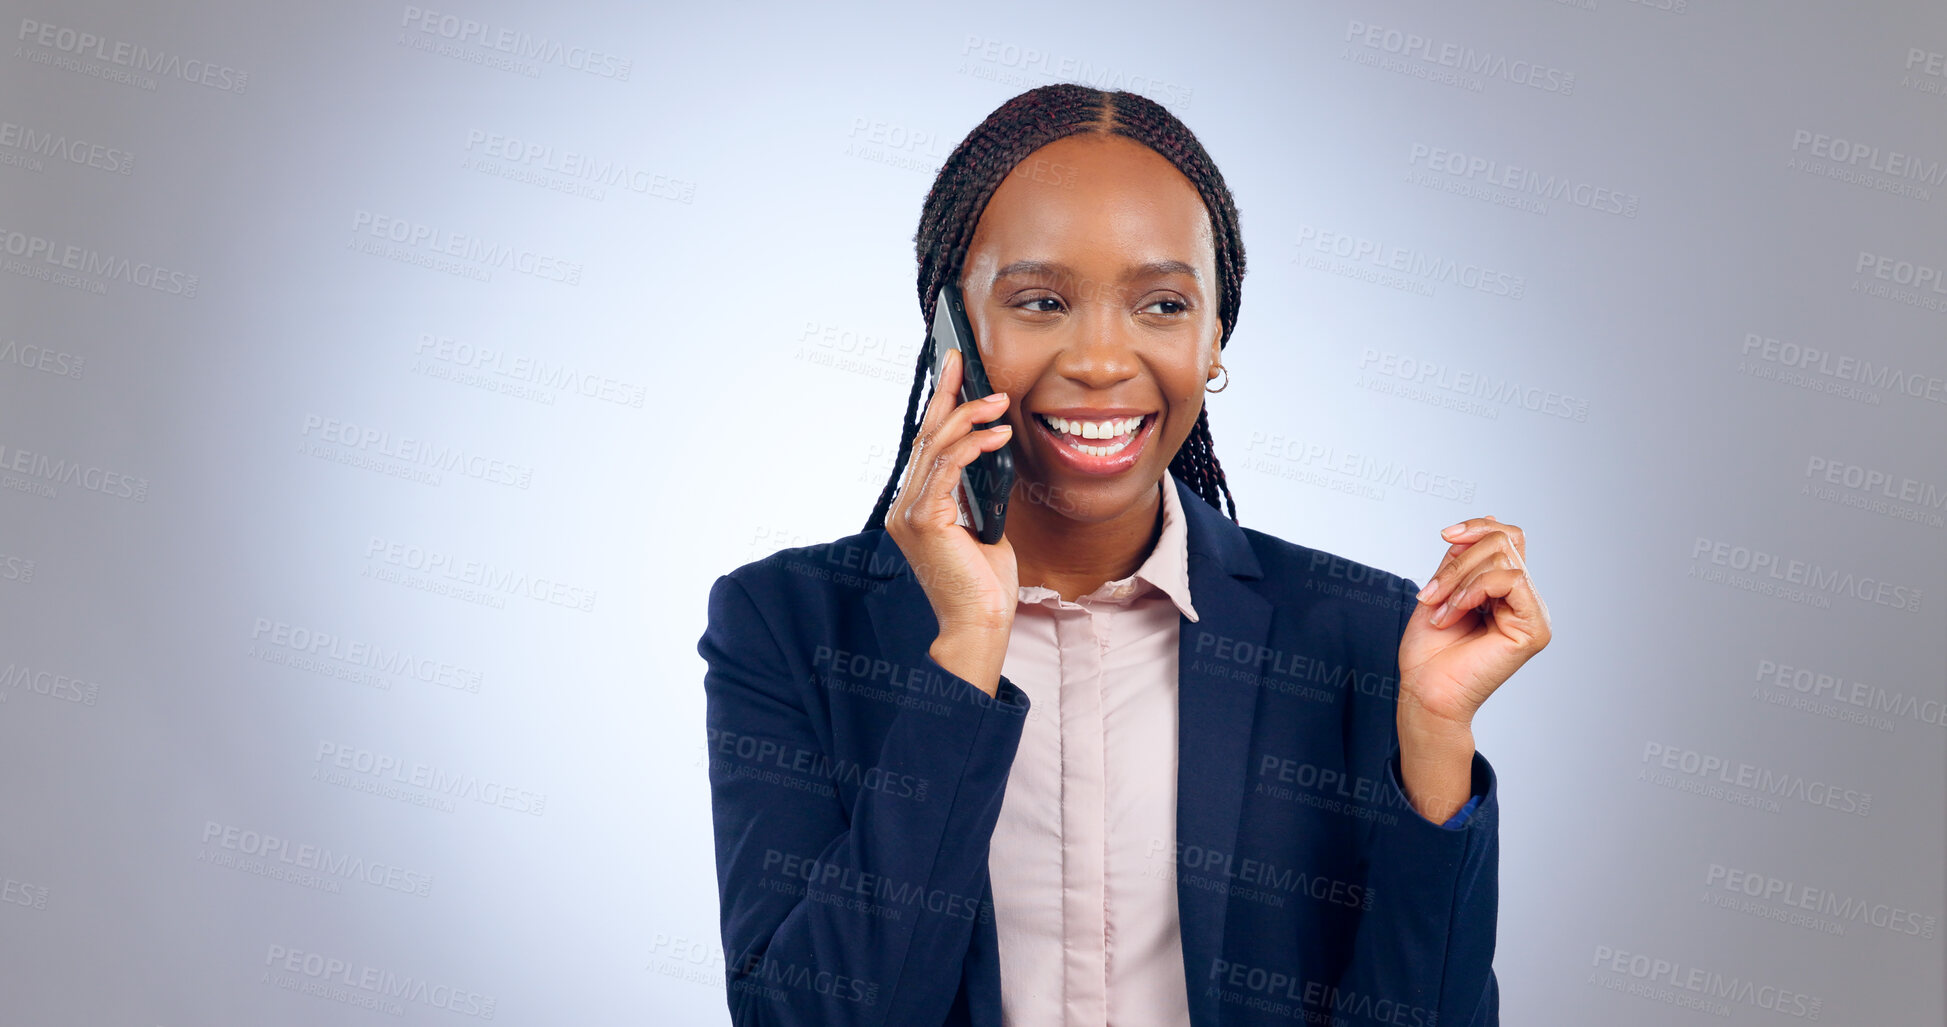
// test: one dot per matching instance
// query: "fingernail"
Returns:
(1003, 428)
(996, 397)
(1441, 612)
(1427, 591)
(1451, 528)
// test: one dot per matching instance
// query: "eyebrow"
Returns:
(1145, 270)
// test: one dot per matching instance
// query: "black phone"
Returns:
(990, 477)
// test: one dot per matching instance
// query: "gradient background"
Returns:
(277, 695)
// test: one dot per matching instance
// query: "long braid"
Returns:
(978, 165)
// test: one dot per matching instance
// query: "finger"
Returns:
(946, 393)
(1472, 592)
(965, 506)
(940, 430)
(946, 390)
(1440, 582)
(935, 502)
(991, 407)
(1507, 596)
(1493, 547)
(943, 500)
(957, 425)
(1469, 531)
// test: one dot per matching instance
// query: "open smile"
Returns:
(1096, 444)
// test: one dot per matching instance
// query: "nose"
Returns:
(1099, 352)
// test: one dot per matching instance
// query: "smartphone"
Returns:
(987, 481)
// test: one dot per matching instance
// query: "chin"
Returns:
(1086, 500)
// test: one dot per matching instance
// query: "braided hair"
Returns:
(977, 166)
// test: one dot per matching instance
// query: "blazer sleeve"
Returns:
(1423, 953)
(842, 916)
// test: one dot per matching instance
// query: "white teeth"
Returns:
(1121, 429)
(1118, 446)
(1095, 429)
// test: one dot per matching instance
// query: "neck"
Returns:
(1074, 558)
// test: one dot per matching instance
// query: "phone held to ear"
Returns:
(988, 479)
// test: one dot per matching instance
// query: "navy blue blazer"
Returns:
(855, 784)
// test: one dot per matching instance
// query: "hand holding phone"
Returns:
(972, 587)
(987, 481)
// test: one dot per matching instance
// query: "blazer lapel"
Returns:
(1215, 714)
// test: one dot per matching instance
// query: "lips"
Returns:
(1100, 455)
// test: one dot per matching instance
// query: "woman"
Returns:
(1133, 764)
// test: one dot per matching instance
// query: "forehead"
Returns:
(1101, 199)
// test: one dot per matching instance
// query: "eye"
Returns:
(1178, 304)
(1029, 304)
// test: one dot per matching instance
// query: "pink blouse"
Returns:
(1081, 859)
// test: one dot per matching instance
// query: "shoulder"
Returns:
(780, 610)
(1301, 575)
(843, 570)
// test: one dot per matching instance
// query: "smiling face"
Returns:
(1091, 289)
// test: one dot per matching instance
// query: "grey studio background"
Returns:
(382, 386)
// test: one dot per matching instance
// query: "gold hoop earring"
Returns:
(1220, 388)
